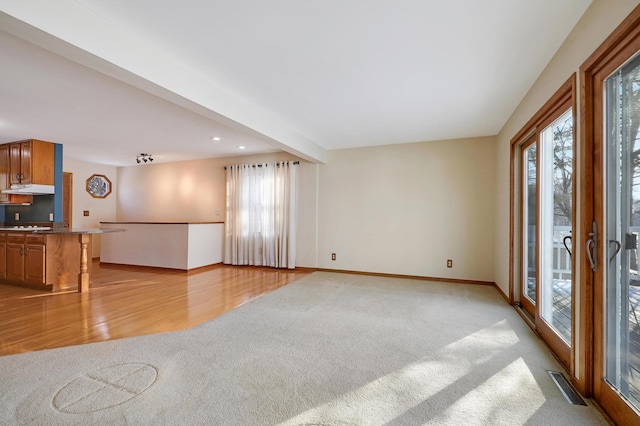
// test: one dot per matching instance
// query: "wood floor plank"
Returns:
(126, 301)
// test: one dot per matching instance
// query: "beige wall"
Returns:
(406, 209)
(401, 209)
(185, 191)
(194, 191)
(600, 19)
(100, 209)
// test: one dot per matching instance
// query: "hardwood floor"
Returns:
(125, 301)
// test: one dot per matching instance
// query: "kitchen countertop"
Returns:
(59, 231)
(161, 223)
(78, 231)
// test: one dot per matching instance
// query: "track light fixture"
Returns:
(143, 157)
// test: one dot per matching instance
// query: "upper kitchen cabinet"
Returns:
(5, 173)
(5, 181)
(31, 161)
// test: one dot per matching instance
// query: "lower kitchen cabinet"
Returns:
(25, 258)
(34, 259)
(14, 261)
(3, 255)
(47, 262)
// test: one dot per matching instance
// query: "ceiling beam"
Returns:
(69, 29)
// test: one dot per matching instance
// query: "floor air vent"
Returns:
(570, 394)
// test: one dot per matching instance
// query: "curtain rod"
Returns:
(295, 163)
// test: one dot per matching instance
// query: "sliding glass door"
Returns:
(556, 213)
(529, 227)
(546, 220)
(622, 217)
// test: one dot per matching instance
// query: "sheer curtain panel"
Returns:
(260, 226)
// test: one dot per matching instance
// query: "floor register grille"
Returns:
(570, 394)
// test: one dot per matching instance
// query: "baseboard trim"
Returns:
(305, 269)
(160, 268)
(412, 277)
(204, 268)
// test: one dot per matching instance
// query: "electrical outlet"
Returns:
(85, 212)
(50, 217)
(449, 263)
(333, 256)
(17, 216)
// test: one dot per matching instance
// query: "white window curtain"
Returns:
(260, 226)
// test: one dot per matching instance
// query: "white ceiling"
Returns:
(303, 76)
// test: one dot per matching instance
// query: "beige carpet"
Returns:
(329, 349)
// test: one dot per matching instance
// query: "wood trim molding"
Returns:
(512, 223)
(585, 357)
(550, 108)
(305, 269)
(159, 268)
(614, 44)
(412, 277)
(160, 223)
(575, 299)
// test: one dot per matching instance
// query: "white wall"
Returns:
(600, 19)
(100, 209)
(406, 209)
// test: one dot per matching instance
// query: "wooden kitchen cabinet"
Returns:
(3, 255)
(46, 261)
(15, 257)
(5, 173)
(5, 181)
(25, 258)
(34, 259)
(31, 161)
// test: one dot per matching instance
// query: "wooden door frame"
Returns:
(70, 189)
(619, 47)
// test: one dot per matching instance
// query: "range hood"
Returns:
(29, 189)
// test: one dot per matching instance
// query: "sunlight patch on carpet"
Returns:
(510, 396)
(388, 397)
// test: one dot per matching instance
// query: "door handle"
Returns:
(564, 241)
(618, 246)
(592, 246)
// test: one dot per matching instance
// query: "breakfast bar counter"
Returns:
(173, 245)
(47, 258)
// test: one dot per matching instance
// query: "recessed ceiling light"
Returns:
(216, 138)
(241, 147)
